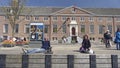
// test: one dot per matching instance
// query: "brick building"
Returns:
(70, 22)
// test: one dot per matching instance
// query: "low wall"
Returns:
(60, 61)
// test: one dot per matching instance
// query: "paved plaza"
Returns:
(63, 49)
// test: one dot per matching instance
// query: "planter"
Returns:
(19, 44)
(7, 45)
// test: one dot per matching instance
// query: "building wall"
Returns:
(59, 22)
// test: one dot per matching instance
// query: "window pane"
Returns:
(54, 28)
(5, 28)
(27, 17)
(73, 18)
(82, 19)
(26, 28)
(109, 19)
(118, 19)
(118, 26)
(92, 29)
(63, 18)
(91, 18)
(82, 28)
(45, 18)
(16, 28)
(46, 28)
(54, 18)
(64, 28)
(36, 17)
(101, 29)
(100, 19)
(110, 28)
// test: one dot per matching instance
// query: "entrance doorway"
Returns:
(74, 37)
(73, 31)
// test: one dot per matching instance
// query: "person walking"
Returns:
(117, 39)
(107, 38)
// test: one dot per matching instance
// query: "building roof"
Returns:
(50, 10)
(104, 11)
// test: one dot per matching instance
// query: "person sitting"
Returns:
(85, 44)
(46, 48)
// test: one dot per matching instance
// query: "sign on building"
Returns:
(36, 32)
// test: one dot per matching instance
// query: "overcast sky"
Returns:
(67, 3)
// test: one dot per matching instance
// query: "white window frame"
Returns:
(82, 19)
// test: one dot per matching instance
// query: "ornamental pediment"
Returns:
(73, 10)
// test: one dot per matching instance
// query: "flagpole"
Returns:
(63, 24)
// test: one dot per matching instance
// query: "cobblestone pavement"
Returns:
(64, 49)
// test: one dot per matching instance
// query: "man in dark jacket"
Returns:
(107, 37)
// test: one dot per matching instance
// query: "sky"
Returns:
(67, 3)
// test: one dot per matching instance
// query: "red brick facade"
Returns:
(77, 17)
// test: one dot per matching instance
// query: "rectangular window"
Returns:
(91, 19)
(64, 28)
(110, 28)
(26, 28)
(118, 26)
(17, 17)
(100, 19)
(109, 19)
(82, 19)
(92, 29)
(118, 19)
(54, 28)
(46, 28)
(27, 17)
(73, 18)
(63, 18)
(16, 28)
(45, 18)
(5, 28)
(55, 18)
(82, 28)
(6, 17)
(36, 17)
(101, 29)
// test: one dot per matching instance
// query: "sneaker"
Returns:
(24, 51)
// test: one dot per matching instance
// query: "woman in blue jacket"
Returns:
(117, 39)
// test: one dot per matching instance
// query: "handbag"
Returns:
(91, 51)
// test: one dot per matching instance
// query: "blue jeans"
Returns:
(36, 50)
(118, 45)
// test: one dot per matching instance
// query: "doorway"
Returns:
(74, 37)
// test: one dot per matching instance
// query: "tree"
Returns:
(13, 11)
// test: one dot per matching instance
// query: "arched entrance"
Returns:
(73, 31)
(74, 37)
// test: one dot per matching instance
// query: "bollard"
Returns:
(2, 61)
(25, 61)
(48, 63)
(92, 61)
(114, 61)
(70, 60)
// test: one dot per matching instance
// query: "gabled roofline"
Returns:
(75, 7)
